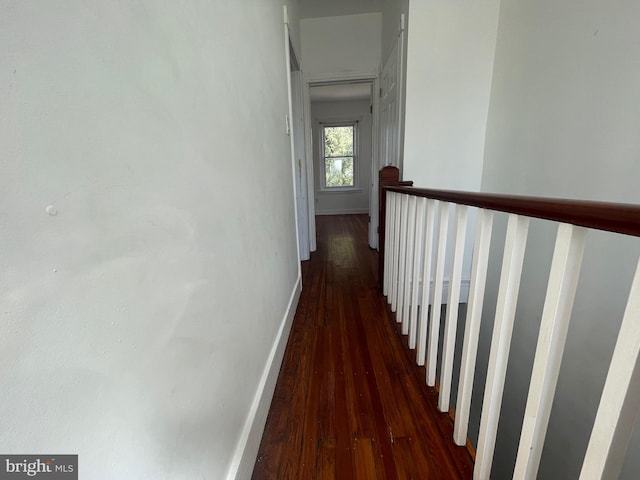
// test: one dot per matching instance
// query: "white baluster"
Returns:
(453, 302)
(620, 402)
(388, 245)
(561, 290)
(472, 326)
(418, 244)
(404, 206)
(408, 274)
(501, 341)
(432, 205)
(396, 253)
(434, 330)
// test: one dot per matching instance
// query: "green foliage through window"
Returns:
(338, 156)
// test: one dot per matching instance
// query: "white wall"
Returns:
(449, 67)
(450, 54)
(353, 201)
(137, 322)
(564, 121)
(343, 45)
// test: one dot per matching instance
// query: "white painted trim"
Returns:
(484, 227)
(427, 258)
(341, 77)
(453, 300)
(401, 94)
(510, 276)
(418, 247)
(337, 190)
(374, 201)
(246, 450)
(294, 173)
(300, 166)
(552, 336)
(349, 211)
(438, 297)
(344, 121)
(308, 154)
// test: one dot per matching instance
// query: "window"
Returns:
(338, 155)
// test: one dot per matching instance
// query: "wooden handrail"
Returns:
(611, 217)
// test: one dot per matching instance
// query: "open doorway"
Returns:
(343, 147)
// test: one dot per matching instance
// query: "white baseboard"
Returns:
(247, 449)
(351, 211)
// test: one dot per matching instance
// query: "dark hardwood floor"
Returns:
(350, 401)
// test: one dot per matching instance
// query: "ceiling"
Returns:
(341, 92)
(335, 8)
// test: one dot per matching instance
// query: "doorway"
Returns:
(342, 145)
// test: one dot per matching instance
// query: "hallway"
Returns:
(350, 401)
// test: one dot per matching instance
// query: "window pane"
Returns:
(339, 172)
(338, 141)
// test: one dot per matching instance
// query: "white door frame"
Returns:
(300, 164)
(337, 78)
(397, 51)
(308, 147)
(298, 186)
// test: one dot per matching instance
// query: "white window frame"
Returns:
(322, 174)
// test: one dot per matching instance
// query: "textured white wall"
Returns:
(564, 121)
(351, 202)
(341, 45)
(136, 323)
(449, 66)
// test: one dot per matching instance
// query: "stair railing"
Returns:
(409, 234)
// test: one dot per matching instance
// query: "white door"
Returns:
(296, 135)
(390, 118)
(297, 130)
(389, 111)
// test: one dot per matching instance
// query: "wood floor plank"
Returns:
(292, 445)
(410, 466)
(327, 405)
(364, 464)
(343, 423)
(310, 443)
(350, 402)
(327, 460)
